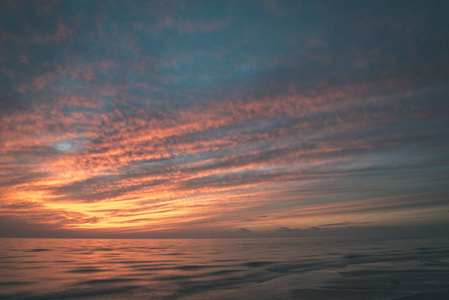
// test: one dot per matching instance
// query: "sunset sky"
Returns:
(222, 118)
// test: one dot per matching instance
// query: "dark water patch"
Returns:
(423, 248)
(111, 254)
(223, 272)
(226, 260)
(257, 264)
(86, 270)
(15, 283)
(196, 276)
(82, 253)
(15, 256)
(84, 293)
(20, 295)
(176, 277)
(355, 256)
(359, 285)
(442, 295)
(344, 294)
(127, 249)
(333, 253)
(104, 249)
(192, 267)
(151, 269)
(27, 262)
(286, 268)
(427, 272)
(443, 252)
(393, 258)
(149, 265)
(130, 262)
(433, 263)
(197, 287)
(107, 281)
(12, 262)
(27, 268)
(39, 250)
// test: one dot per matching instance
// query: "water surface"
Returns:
(303, 268)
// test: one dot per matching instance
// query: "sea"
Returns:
(295, 268)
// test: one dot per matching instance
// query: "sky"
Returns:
(222, 118)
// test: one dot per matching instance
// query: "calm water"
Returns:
(312, 268)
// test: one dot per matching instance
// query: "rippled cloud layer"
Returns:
(173, 116)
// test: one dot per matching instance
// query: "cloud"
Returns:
(128, 115)
(284, 229)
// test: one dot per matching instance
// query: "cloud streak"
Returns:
(149, 116)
